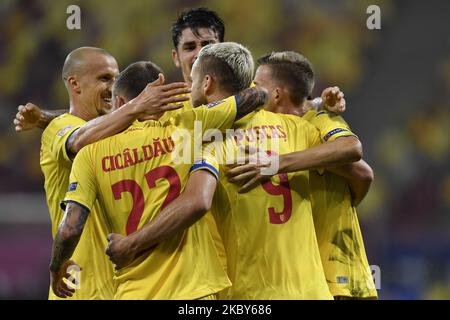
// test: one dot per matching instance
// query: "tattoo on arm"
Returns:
(68, 235)
(70, 145)
(249, 100)
(48, 115)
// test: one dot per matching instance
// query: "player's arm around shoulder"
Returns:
(224, 113)
(359, 176)
(334, 129)
(155, 99)
(335, 132)
(249, 100)
(311, 154)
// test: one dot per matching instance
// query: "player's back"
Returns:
(134, 177)
(268, 233)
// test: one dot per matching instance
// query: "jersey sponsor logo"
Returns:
(333, 132)
(64, 130)
(73, 186)
(213, 104)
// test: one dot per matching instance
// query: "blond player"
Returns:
(269, 236)
(133, 176)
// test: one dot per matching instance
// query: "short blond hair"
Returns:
(230, 63)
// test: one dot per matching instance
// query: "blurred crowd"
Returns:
(404, 219)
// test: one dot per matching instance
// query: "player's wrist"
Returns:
(135, 109)
(132, 109)
(282, 163)
(131, 244)
(54, 268)
(43, 120)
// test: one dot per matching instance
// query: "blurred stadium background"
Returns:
(396, 82)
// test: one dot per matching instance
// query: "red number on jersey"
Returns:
(131, 186)
(283, 189)
(171, 175)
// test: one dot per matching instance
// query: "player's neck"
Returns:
(286, 109)
(217, 96)
(80, 111)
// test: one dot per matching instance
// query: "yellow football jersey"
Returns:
(208, 217)
(187, 105)
(268, 233)
(96, 278)
(336, 221)
(134, 175)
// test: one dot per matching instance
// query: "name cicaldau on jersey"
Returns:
(133, 176)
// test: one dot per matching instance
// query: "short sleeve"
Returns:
(208, 162)
(330, 125)
(217, 115)
(65, 127)
(82, 187)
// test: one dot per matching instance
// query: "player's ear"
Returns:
(175, 58)
(277, 94)
(74, 84)
(119, 101)
(208, 84)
